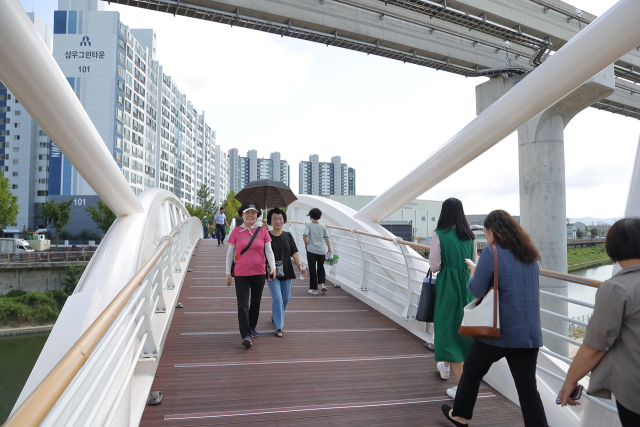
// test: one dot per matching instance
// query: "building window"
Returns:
(43, 193)
(43, 181)
(433, 218)
(41, 133)
(16, 149)
(14, 186)
(424, 218)
(44, 145)
(15, 161)
(43, 157)
(120, 100)
(17, 112)
(16, 137)
(16, 125)
(15, 174)
(118, 128)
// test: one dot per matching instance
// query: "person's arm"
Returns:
(328, 242)
(602, 333)
(435, 255)
(482, 276)
(475, 252)
(306, 243)
(271, 259)
(231, 252)
(585, 360)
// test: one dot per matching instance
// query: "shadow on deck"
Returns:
(340, 363)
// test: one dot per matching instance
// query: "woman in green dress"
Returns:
(452, 243)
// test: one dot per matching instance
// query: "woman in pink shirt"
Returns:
(249, 269)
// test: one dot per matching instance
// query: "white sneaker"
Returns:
(451, 392)
(313, 292)
(444, 370)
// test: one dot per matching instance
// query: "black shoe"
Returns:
(445, 410)
(246, 342)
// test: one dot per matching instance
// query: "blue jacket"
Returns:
(518, 297)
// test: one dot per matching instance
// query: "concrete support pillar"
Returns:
(543, 211)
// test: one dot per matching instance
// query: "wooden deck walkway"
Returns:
(340, 363)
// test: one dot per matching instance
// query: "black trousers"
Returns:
(249, 287)
(221, 231)
(522, 363)
(628, 418)
(316, 270)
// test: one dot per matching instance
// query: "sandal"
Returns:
(279, 332)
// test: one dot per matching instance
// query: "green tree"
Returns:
(102, 216)
(206, 201)
(58, 214)
(197, 212)
(579, 233)
(84, 235)
(8, 205)
(231, 206)
(594, 232)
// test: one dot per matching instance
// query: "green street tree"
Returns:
(206, 201)
(8, 205)
(102, 216)
(594, 232)
(197, 212)
(58, 214)
(231, 206)
(84, 235)
(579, 234)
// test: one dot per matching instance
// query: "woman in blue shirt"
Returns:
(520, 330)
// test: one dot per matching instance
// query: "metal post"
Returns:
(409, 264)
(363, 287)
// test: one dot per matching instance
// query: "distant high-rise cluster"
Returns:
(155, 134)
(320, 179)
(243, 170)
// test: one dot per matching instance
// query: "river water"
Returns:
(585, 293)
(18, 355)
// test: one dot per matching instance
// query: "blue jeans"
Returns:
(206, 232)
(280, 296)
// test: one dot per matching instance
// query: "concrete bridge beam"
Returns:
(543, 210)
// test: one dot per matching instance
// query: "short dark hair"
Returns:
(221, 208)
(246, 205)
(276, 211)
(315, 213)
(623, 239)
(510, 235)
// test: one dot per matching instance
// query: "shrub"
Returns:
(72, 275)
(59, 297)
(15, 293)
(34, 307)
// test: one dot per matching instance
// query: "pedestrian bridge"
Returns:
(337, 364)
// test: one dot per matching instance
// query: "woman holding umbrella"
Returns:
(284, 248)
(248, 245)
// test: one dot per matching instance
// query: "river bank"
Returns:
(580, 258)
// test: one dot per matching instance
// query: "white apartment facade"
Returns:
(243, 170)
(24, 150)
(322, 179)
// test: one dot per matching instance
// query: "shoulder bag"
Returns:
(481, 319)
(237, 257)
(427, 303)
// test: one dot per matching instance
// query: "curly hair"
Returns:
(510, 235)
(246, 205)
(276, 211)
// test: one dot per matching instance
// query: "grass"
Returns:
(578, 333)
(582, 255)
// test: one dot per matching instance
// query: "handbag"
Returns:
(481, 317)
(237, 257)
(427, 303)
(280, 267)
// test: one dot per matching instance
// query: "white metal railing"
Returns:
(395, 274)
(95, 391)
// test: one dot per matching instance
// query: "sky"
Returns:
(383, 117)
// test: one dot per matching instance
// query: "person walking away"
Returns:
(205, 226)
(611, 347)
(316, 242)
(221, 224)
(249, 269)
(284, 248)
(519, 310)
(451, 243)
